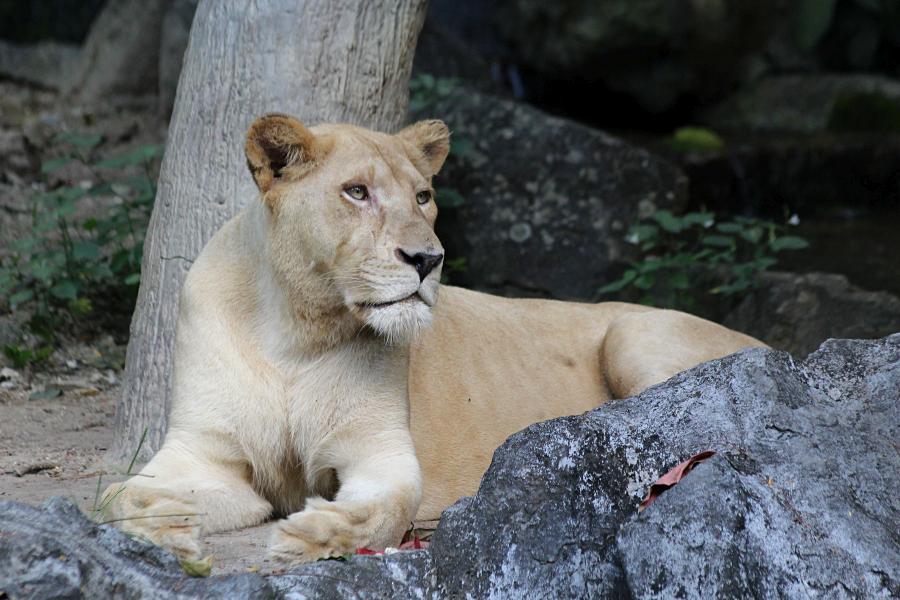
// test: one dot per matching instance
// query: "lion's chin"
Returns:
(400, 322)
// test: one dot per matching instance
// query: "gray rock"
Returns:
(56, 552)
(812, 103)
(799, 501)
(546, 201)
(121, 52)
(48, 64)
(796, 313)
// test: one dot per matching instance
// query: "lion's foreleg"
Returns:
(380, 490)
(180, 494)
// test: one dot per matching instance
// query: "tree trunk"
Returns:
(342, 60)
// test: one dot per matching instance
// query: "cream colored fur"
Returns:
(301, 392)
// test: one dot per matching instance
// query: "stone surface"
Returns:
(48, 64)
(547, 202)
(811, 103)
(55, 552)
(796, 313)
(799, 501)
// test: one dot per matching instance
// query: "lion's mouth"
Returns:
(414, 297)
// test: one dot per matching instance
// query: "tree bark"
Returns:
(341, 60)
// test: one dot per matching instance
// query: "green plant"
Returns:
(865, 111)
(21, 357)
(678, 251)
(687, 139)
(425, 90)
(453, 266)
(67, 259)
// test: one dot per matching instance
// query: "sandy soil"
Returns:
(56, 447)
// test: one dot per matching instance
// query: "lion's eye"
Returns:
(357, 192)
(423, 197)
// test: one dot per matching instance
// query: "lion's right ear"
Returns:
(279, 146)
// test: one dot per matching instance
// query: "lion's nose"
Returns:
(424, 263)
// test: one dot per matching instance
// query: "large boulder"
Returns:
(798, 501)
(797, 312)
(547, 201)
(812, 103)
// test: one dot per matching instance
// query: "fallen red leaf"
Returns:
(413, 544)
(672, 477)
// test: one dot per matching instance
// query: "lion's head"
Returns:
(351, 213)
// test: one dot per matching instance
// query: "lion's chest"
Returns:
(304, 411)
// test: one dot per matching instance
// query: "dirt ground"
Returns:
(56, 447)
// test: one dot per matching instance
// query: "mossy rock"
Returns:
(867, 111)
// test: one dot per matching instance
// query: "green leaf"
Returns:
(54, 164)
(19, 356)
(645, 281)
(620, 283)
(729, 227)
(449, 198)
(645, 232)
(679, 280)
(719, 241)
(43, 271)
(667, 221)
(81, 306)
(763, 263)
(20, 297)
(82, 140)
(197, 568)
(698, 218)
(788, 242)
(752, 235)
(85, 251)
(135, 278)
(65, 290)
(812, 19)
(138, 156)
(686, 139)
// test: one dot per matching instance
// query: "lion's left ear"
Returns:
(279, 145)
(432, 138)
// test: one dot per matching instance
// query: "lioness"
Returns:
(322, 373)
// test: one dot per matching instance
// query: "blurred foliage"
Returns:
(687, 139)
(21, 356)
(812, 18)
(678, 251)
(861, 25)
(452, 266)
(426, 90)
(873, 112)
(67, 260)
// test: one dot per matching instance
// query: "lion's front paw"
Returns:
(154, 515)
(322, 530)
